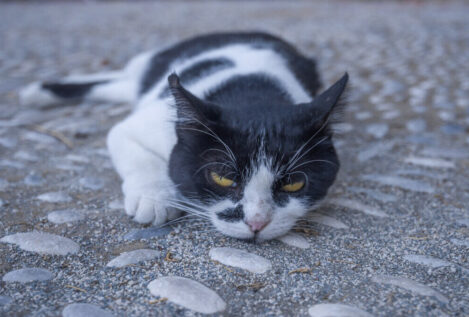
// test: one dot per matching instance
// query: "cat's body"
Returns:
(235, 139)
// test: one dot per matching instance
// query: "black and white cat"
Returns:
(226, 127)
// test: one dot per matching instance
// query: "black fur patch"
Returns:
(71, 90)
(231, 214)
(254, 90)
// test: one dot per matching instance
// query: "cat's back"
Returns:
(211, 62)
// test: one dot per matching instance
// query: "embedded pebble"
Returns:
(116, 204)
(356, 205)
(241, 259)
(39, 138)
(101, 151)
(28, 275)
(385, 198)
(64, 216)
(5, 300)
(85, 310)
(336, 310)
(295, 240)
(410, 285)
(464, 222)
(420, 139)
(446, 115)
(91, 183)
(375, 150)
(42, 242)
(33, 180)
(55, 197)
(426, 260)
(460, 242)
(187, 293)
(378, 130)
(416, 125)
(392, 87)
(446, 152)
(341, 128)
(13, 164)
(133, 257)
(429, 162)
(77, 158)
(390, 115)
(326, 220)
(148, 233)
(415, 172)
(419, 109)
(8, 142)
(26, 156)
(69, 167)
(3, 184)
(27, 117)
(363, 115)
(452, 128)
(401, 182)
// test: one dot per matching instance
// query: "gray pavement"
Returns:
(392, 240)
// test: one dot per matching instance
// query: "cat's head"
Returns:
(253, 172)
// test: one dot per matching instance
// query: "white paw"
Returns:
(148, 204)
(34, 95)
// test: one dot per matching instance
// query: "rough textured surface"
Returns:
(409, 97)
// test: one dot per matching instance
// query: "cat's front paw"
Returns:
(148, 204)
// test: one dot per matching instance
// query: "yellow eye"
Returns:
(293, 187)
(221, 181)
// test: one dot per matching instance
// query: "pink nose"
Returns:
(257, 225)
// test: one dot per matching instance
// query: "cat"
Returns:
(226, 127)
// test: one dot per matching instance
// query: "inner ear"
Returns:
(190, 109)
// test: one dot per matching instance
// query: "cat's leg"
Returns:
(116, 86)
(140, 148)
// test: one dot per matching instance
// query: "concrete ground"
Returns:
(393, 239)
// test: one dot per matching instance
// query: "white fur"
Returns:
(34, 95)
(257, 198)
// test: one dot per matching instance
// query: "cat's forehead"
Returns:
(265, 120)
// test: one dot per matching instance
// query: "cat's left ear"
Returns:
(190, 109)
(328, 104)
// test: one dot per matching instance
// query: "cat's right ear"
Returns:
(190, 109)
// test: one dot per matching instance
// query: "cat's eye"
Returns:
(222, 181)
(293, 187)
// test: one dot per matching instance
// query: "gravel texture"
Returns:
(397, 242)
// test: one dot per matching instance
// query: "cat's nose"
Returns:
(257, 225)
